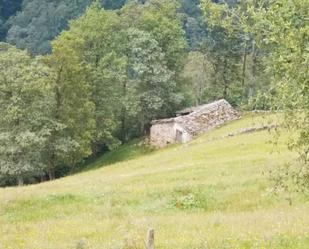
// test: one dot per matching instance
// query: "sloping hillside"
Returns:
(210, 193)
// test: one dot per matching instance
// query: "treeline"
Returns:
(32, 24)
(113, 71)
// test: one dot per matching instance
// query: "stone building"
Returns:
(191, 122)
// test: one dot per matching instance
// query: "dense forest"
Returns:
(32, 24)
(80, 77)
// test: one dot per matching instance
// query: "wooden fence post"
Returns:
(150, 239)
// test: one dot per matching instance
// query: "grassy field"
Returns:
(210, 193)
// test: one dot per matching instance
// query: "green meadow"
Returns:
(214, 192)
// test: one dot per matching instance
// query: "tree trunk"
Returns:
(43, 177)
(20, 181)
(51, 174)
(244, 66)
(225, 90)
(253, 70)
(204, 79)
(225, 82)
(124, 116)
(123, 125)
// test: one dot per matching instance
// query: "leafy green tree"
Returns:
(154, 69)
(193, 23)
(281, 28)
(199, 72)
(25, 102)
(100, 51)
(222, 55)
(232, 44)
(160, 19)
(70, 141)
(155, 87)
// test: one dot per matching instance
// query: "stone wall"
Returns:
(162, 134)
(182, 135)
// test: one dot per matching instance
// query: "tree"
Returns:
(70, 140)
(223, 56)
(231, 36)
(159, 44)
(156, 55)
(199, 71)
(160, 19)
(25, 119)
(281, 28)
(153, 80)
(193, 23)
(100, 52)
